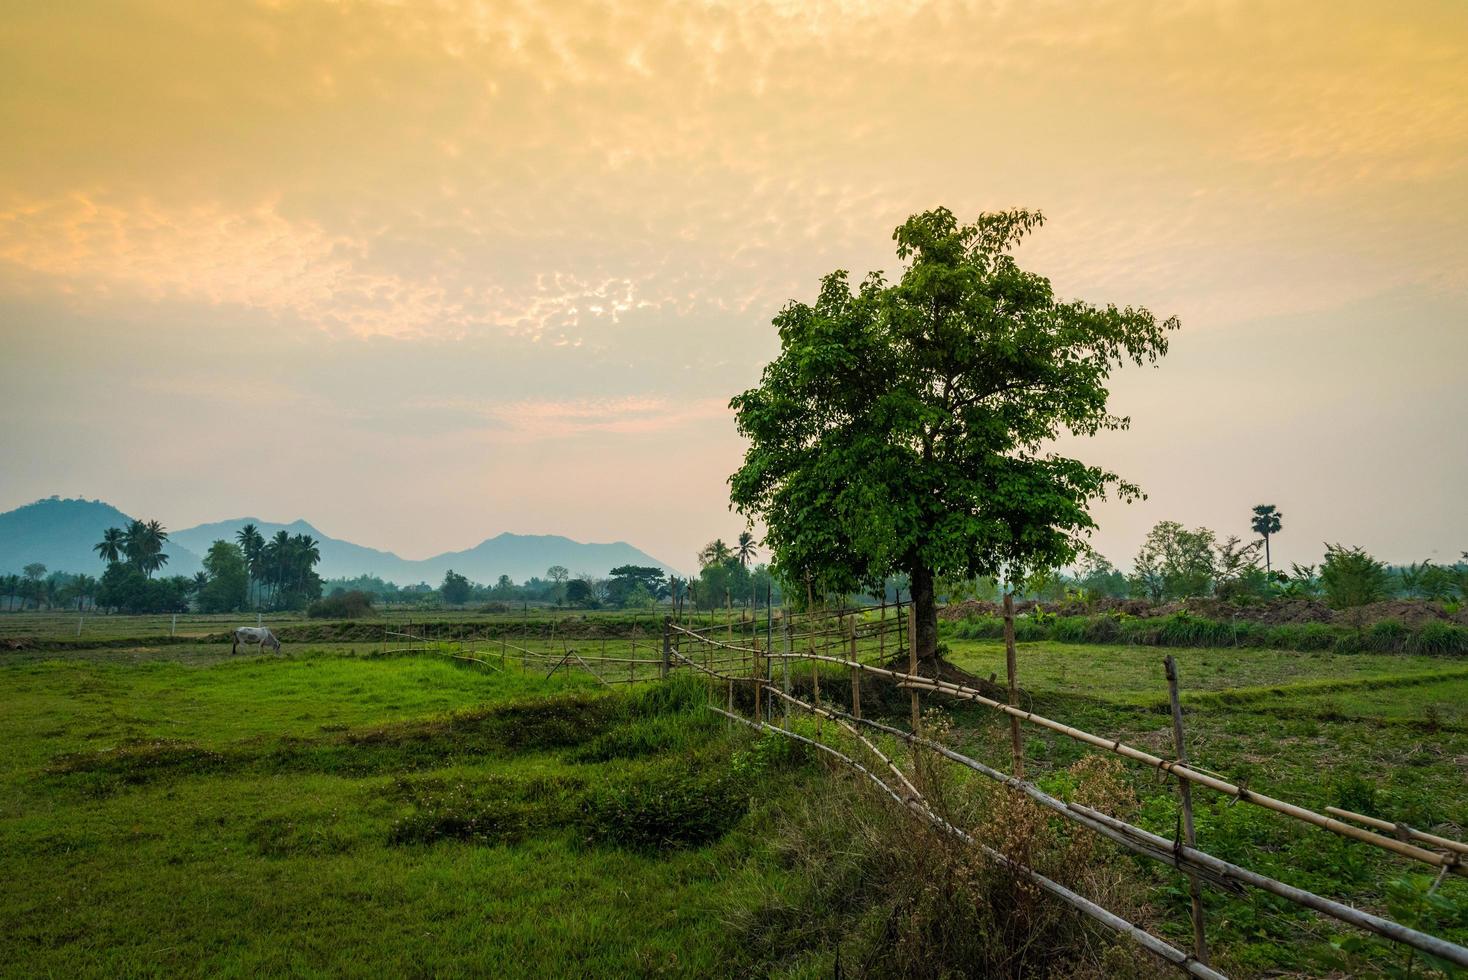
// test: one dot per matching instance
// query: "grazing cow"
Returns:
(254, 634)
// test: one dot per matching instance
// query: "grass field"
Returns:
(172, 809)
(69, 626)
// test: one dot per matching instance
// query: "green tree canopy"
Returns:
(227, 587)
(456, 588)
(907, 427)
(1174, 563)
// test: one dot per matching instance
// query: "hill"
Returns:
(339, 559)
(59, 533)
(519, 556)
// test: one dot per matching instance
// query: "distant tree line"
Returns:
(251, 574)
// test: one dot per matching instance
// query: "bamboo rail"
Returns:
(1111, 920)
(1217, 872)
(1400, 829)
(1448, 860)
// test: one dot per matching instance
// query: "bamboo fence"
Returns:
(850, 629)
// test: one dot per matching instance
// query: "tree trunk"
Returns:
(1267, 567)
(925, 607)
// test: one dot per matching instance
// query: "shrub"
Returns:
(342, 605)
(1351, 577)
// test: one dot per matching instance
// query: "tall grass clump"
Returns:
(1440, 639)
(875, 891)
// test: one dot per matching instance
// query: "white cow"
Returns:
(254, 634)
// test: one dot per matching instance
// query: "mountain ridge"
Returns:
(51, 526)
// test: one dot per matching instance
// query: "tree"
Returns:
(582, 592)
(456, 588)
(716, 551)
(83, 587)
(624, 580)
(252, 544)
(1351, 577)
(227, 583)
(558, 575)
(35, 571)
(1100, 578)
(1266, 521)
(109, 549)
(1173, 562)
(1236, 571)
(745, 550)
(905, 427)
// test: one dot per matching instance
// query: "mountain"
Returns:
(59, 533)
(522, 555)
(519, 556)
(339, 559)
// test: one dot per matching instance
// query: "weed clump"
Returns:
(493, 811)
(673, 808)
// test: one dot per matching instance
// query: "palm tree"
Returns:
(715, 552)
(276, 557)
(252, 543)
(10, 588)
(305, 554)
(83, 587)
(134, 539)
(155, 536)
(745, 550)
(1266, 522)
(109, 549)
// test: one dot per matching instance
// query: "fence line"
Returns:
(1181, 854)
(1449, 861)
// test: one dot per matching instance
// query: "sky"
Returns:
(425, 272)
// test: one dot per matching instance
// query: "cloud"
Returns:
(548, 171)
(429, 230)
(540, 419)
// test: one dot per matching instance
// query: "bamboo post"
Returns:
(882, 631)
(1016, 736)
(758, 680)
(1185, 795)
(912, 664)
(855, 674)
(785, 664)
(667, 648)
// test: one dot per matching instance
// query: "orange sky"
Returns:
(423, 273)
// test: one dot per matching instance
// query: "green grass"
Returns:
(239, 817)
(96, 629)
(174, 809)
